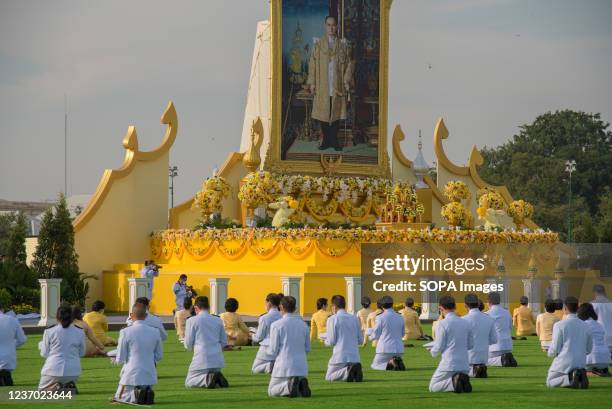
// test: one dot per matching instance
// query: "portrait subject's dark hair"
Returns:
(321, 302)
(339, 301)
(202, 302)
(288, 303)
(448, 302)
(231, 305)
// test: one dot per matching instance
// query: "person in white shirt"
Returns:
(570, 346)
(603, 308)
(264, 361)
(344, 335)
(11, 337)
(139, 349)
(483, 330)
(149, 271)
(598, 360)
(454, 337)
(180, 292)
(206, 337)
(289, 344)
(388, 330)
(62, 346)
(151, 319)
(500, 353)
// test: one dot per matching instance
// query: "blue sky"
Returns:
(495, 64)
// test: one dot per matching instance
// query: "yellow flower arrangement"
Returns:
(520, 210)
(259, 188)
(456, 191)
(492, 200)
(356, 235)
(402, 204)
(456, 214)
(209, 199)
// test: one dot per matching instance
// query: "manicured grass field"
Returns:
(521, 387)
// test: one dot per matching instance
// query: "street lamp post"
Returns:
(570, 167)
(172, 172)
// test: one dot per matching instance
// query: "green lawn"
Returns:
(521, 387)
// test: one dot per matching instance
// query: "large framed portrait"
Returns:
(329, 87)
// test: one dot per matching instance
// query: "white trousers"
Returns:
(557, 380)
(264, 361)
(337, 372)
(125, 393)
(441, 381)
(278, 386)
(198, 378)
(495, 357)
(381, 360)
(48, 380)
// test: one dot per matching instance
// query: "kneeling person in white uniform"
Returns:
(206, 337)
(484, 336)
(388, 330)
(11, 337)
(139, 349)
(598, 360)
(264, 361)
(454, 338)
(62, 345)
(500, 353)
(289, 344)
(345, 335)
(570, 346)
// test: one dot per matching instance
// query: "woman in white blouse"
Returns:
(599, 358)
(62, 345)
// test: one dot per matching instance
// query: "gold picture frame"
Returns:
(273, 161)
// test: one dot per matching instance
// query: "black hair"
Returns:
(494, 298)
(558, 303)
(447, 302)
(64, 315)
(328, 17)
(187, 303)
(586, 311)
(524, 300)
(480, 305)
(365, 302)
(571, 303)
(321, 302)
(550, 306)
(288, 303)
(471, 300)
(379, 305)
(139, 310)
(231, 305)
(98, 305)
(339, 301)
(183, 276)
(202, 302)
(409, 302)
(77, 314)
(274, 299)
(143, 300)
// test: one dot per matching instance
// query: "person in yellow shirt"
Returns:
(363, 313)
(371, 321)
(545, 323)
(93, 347)
(412, 325)
(180, 317)
(235, 328)
(522, 319)
(318, 322)
(99, 324)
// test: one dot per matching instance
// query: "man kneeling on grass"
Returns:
(289, 344)
(139, 349)
(454, 338)
(388, 330)
(206, 337)
(571, 343)
(344, 334)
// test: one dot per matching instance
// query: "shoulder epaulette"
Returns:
(51, 326)
(76, 326)
(378, 313)
(215, 315)
(261, 315)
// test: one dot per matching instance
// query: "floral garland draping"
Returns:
(265, 243)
